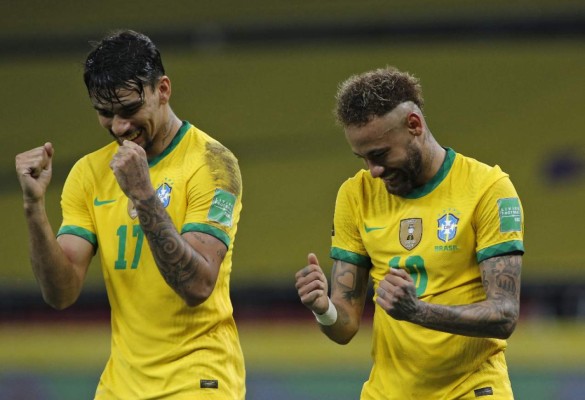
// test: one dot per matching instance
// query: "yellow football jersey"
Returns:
(439, 234)
(161, 348)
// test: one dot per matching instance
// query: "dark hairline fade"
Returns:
(375, 93)
(124, 59)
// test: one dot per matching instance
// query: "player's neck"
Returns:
(165, 136)
(435, 159)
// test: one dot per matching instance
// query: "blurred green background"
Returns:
(502, 83)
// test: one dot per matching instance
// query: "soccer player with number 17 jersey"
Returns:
(160, 204)
(440, 235)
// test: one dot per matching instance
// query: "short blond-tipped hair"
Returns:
(375, 93)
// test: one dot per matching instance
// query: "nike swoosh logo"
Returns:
(98, 203)
(373, 228)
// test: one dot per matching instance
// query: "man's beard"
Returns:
(409, 173)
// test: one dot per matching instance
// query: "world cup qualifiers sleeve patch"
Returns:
(510, 215)
(222, 207)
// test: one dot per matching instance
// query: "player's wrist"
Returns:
(329, 317)
(33, 205)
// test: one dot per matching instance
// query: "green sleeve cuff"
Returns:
(350, 257)
(499, 249)
(210, 230)
(78, 231)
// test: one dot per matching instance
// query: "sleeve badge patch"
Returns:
(510, 215)
(222, 208)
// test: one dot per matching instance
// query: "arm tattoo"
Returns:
(176, 260)
(348, 280)
(504, 274)
(494, 317)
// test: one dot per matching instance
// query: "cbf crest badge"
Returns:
(164, 194)
(410, 232)
(447, 228)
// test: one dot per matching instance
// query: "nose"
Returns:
(119, 125)
(375, 169)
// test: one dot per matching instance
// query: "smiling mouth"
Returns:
(131, 136)
(391, 177)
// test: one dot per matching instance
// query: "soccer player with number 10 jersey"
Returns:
(440, 235)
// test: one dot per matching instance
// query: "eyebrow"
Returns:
(373, 152)
(122, 107)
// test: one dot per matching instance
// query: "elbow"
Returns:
(343, 340)
(507, 324)
(341, 337)
(198, 295)
(505, 331)
(193, 301)
(59, 303)
(60, 296)
(507, 328)
(60, 306)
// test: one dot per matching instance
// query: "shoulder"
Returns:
(359, 182)
(476, 173)
(198, 140)
(96, 160)
(361, 189)
(221, 163)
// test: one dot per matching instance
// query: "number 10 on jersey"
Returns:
(415, 266)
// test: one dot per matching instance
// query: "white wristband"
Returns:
(329, 317)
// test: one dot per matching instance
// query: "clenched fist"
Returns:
(34, 171)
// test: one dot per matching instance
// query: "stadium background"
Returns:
(502, 83)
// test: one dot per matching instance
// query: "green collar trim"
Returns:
(174, 143)
(437, 179)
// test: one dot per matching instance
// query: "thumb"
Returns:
(312, 259)
(49, 151)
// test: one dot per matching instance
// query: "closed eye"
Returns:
(377, 156)
(127, 112)
(105, 113)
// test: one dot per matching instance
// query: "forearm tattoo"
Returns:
(494, 317)
(352, 285)
(175, 258)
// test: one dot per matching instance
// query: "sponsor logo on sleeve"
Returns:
(222, 208)
(510, 215)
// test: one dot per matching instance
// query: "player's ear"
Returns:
(414, 123)
(164, 89)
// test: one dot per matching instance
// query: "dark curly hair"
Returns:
(375, 93)
(122, 60)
